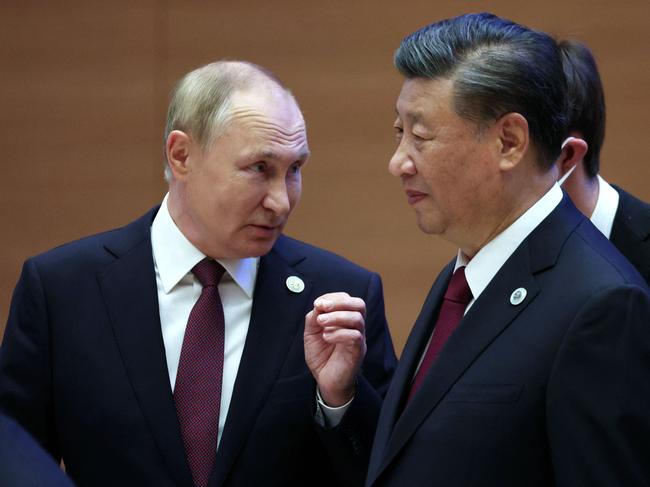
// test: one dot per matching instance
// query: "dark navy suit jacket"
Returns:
(631, 231)
(552, 391)
(23, 463)
(83, 368)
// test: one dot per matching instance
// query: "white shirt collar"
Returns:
(175, 256)
(486, 263)
(606, 206)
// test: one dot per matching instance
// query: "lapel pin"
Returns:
(295, 284)
(518, 296)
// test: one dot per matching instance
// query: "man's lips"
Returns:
(270, 226)
(414, 196)
(265, 230)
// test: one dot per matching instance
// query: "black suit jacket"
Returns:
(552, 391)
(631, 231)
(23, 463)
(83, 369)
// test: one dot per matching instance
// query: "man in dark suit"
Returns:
(631, 231)
(169, 352)
(23, 463)
(621, 217)
(529, 362)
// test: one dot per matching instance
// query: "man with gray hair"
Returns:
(169, 352)
(529, 362)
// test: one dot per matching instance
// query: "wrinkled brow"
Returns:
(272, 155)
(411, 117)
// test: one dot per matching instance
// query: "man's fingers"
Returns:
(339, 302)
(342, 319)
(311, 323)
(334, 296)
(343, 336)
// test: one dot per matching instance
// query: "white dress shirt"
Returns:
(178, 290)
(486, 263)
(606, 206)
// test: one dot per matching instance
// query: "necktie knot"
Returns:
(458, 289)
(208, 272)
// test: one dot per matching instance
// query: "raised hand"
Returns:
(335, 345)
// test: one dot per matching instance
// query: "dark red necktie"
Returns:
(456, 299)
(197, 392)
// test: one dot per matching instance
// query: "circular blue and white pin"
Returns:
(295, 284)
(518, 296)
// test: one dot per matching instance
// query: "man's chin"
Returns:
(428, 226)
(252, 243)
(260, 247)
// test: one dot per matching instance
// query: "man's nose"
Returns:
(277, 199)
(401, 163)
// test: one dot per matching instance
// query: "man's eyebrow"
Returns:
(271, 155)
(412, 117)
(266, 154)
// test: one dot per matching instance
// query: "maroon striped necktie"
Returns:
(457, 297)
(197, 392)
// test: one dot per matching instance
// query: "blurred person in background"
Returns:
(623, 219)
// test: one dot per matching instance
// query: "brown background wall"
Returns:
(84, 86)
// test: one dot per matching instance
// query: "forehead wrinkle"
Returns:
(297, 142)
(253, 115)
(275, 130)
(267, 130)
(255, 120)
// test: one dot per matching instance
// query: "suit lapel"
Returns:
(409, 360)
(485, 320)
(276, 320)
(488, 317)
(129, 289)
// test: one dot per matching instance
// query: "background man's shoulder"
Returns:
(630, 203)
(632, 216)
(601, 263)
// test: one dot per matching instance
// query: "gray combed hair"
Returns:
(497, 67)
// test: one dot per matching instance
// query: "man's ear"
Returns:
(177, 148)
(573, 151)
(513, 139)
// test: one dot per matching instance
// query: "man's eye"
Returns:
(259, 167)
(399, 131)
(295, 168)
